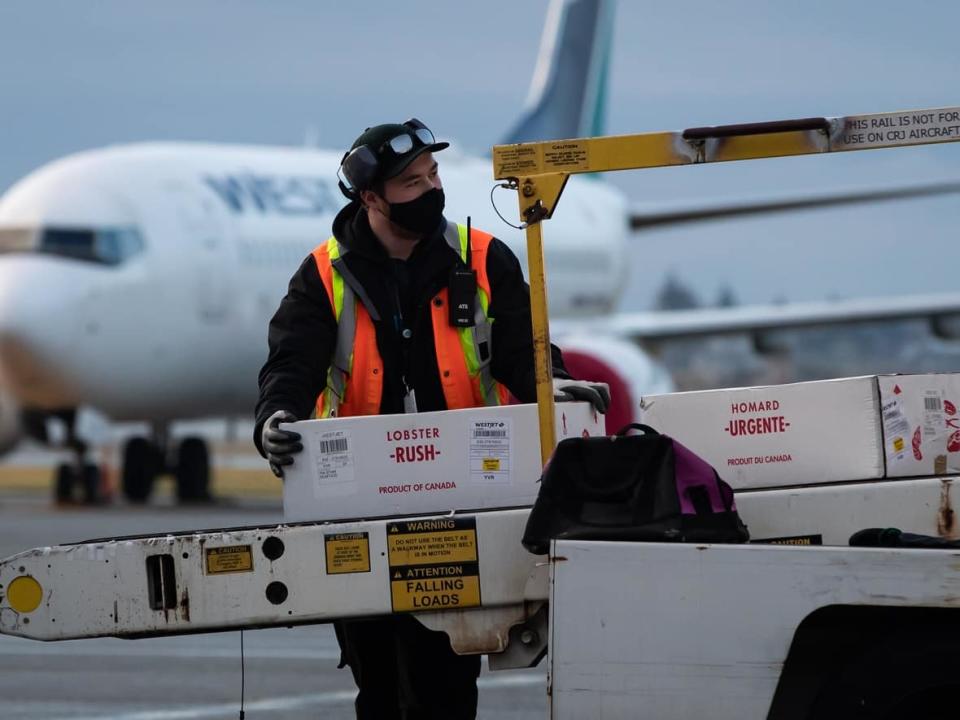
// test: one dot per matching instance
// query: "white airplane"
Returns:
(138, 280)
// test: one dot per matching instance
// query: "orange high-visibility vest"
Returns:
(355, 377)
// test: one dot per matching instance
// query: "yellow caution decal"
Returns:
(791, 540)
(347, 553)
(230, 559)
(434, 564)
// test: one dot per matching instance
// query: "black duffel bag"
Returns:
(631, 487)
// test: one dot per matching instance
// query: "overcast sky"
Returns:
(80, 75)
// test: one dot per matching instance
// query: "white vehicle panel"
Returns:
(675, 631)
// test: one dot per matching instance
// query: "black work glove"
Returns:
(595, 393)
(279, 445)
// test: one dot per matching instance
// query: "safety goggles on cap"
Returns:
(402, 144)
(382, 152)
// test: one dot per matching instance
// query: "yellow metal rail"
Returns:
(539, 172)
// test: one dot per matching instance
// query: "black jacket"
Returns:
(303, 331)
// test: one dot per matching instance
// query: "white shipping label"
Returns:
(490, 450)
(933, 419)
(896, 429)
(334, 457)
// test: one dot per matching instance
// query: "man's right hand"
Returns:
(279, 445)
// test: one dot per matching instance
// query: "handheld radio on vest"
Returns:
(463, 291)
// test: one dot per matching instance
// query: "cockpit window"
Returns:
(108, 246)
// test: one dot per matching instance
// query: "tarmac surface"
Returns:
(288, 673)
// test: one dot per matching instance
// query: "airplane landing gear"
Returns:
(144, 460)
(79, 474)
(70, 476)
(193, 471)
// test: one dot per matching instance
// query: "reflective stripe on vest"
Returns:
(356, 356)
(355, 377)
(465, 363)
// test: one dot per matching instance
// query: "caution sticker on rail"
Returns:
(567, 155)
(914, 127)
(230, 559)
(516, 160)
(433, 564)
(347, 553)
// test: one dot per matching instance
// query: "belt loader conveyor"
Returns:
(469, 569)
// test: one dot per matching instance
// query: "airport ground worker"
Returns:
(401, 311)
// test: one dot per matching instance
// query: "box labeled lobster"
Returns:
(421, 463)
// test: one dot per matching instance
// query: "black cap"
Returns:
(389, 163)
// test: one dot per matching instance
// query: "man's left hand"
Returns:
(595, 393)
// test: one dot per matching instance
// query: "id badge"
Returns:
(410, 401)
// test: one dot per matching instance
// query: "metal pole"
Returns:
(543, 362)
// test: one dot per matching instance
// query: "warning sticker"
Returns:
(334, 456)
(347, 553)
(489, 453)
(567, 155)
(898, 128)
(515, 160)
(231, 559)
(433, 564)
(791, 540)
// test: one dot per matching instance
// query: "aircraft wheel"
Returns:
(140, 467)
(90, 484)
(63, 483)
(193, 471)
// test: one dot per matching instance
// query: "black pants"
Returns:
(406, 672)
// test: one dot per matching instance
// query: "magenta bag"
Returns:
(631, 487)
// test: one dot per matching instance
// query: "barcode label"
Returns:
(335, 476)
(490, 444)
(932, 403)
(336, 445)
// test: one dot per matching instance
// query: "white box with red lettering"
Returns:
(811, 432)
(435, 462)
(921, 427)
(859, 428)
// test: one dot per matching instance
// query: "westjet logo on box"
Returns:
(407, 450)
(757, 417)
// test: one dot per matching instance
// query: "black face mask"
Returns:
(420, 216)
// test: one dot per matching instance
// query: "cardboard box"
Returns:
(921, 426)
(859, 428)
(812, 432)
(390, 465)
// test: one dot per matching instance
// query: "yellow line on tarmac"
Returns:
(226, 482)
